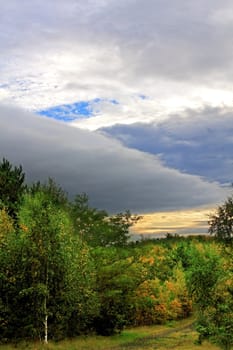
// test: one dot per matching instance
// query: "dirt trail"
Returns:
(157, 335)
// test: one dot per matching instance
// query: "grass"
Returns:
(176, 336)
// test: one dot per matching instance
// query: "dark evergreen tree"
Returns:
(55, 192)
(12, 187)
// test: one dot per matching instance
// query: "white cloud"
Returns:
(177, 53)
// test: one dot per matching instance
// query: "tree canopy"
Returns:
(67, 268)
(221, 223)
(12, 187)
(97, 227)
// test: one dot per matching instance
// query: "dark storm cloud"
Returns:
(115, 177)
(199, 142)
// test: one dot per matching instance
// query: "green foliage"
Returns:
(215, 321)
(52, 190)
(183, 253)
(203, 275)
(53, 277)
(117, 278)
(10, 282)
(6, 226)
(11, 187)
(67, 269)
(119, 226)
(97, 228)
(221, 223)
(210, 282)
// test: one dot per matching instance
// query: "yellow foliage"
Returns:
(6, 225)
(150, 260)
(175, 309)
(161, 312)
(24, 228)
(170, 286)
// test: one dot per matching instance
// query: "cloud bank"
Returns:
(196, 142)
(115, 177)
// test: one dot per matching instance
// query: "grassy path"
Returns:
(159, 336)
(176, 336)
(179, 336)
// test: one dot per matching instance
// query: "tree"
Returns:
(8, 263)
(203, 275)
(90, 223)
(215, 321)
(210, 283)
(97, 227)
(55, 193)
(12, 187)
(47, 275)
(117, 278)
(6, 226)
(221, 223)
(119, 226)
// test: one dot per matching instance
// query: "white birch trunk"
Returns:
(45, 308)
(46, 329)
(45, 322)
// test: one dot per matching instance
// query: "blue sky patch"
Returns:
(69, 112)
(114, 102)
(77, 110)
(143, 97)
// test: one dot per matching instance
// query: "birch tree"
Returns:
(60, 276)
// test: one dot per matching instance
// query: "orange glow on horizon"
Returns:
(192, 221)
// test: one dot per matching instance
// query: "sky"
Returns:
(129, 101)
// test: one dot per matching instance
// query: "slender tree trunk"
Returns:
(45, 308)
(46, 326)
